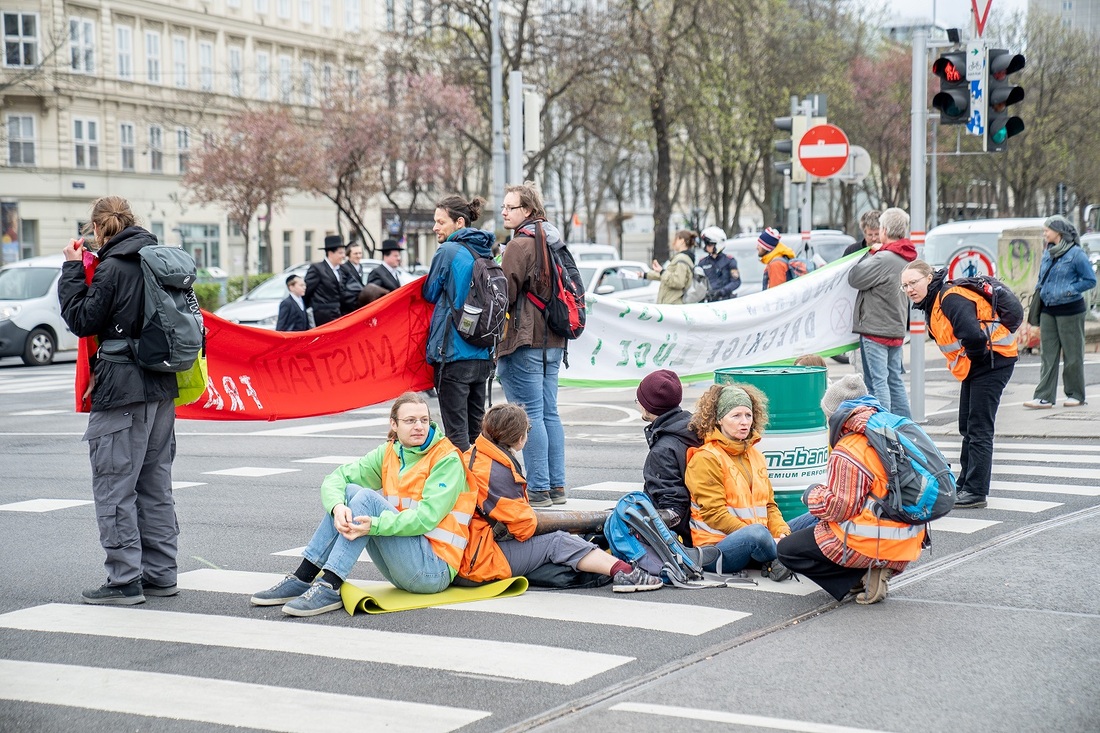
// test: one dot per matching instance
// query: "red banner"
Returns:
(369, 356)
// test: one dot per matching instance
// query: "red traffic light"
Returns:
(946, 70)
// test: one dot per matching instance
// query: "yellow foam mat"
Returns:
(384, 598)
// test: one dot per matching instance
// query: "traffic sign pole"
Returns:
(807, 200)
(917, 218)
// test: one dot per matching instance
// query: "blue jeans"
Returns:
(802, 521)
(753, 542)
(525, 383)
(882, 367)
(407, 562)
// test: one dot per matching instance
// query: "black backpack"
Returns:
(1007, 309)
(564, 312)
(480, 321)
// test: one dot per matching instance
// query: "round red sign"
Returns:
(823, 150)
(969, 263)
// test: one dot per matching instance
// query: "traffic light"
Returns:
(1000, 92)
(953, 99)
(796, 126)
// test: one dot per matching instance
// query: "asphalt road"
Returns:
(998, 622)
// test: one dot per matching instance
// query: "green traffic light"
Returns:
(1000, 136)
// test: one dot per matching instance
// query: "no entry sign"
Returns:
(823, 150)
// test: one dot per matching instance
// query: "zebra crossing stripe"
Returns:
(509, 660)
(1078, 449)
(219, 702)
(42, 505)
(1030, 457)
(1045, 471)
(961, 525)
(583, 505)
(1045, 488)
(1020, 505)
(730, 719)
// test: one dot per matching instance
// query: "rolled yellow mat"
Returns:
(385, 598)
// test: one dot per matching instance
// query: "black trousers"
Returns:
(800, 553)
(463, 388)
(978, 402)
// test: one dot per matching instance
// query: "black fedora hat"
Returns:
(333, 241)
(389, 245)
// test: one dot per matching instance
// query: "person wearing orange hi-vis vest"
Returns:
(980, 353)
(407, 503)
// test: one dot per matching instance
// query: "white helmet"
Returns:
(712, 235)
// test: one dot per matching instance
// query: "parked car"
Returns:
(260, 307)
(583, 252)
(30, 316)
(622, 279)
(826, 245)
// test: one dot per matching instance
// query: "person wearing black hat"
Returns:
(669, 438)
(385, 275)
(351, 277)
(323, 288)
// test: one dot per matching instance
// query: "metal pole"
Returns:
(515, 127)
(808, 187)
(933, 177)
(496, 84)
(917, 215)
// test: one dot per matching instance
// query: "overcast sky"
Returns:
(954, 13)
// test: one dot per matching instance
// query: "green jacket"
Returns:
(675, 279)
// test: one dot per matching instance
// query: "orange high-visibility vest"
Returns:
(881, 539)
(483, 559)
(404, 490)
(746, 498)
(1002, 340)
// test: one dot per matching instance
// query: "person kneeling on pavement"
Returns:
(503, 543)
(851, 550)
(407, 503)
(732, 502)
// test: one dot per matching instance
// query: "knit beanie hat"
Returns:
(660, 392)
(769, 239)
(848, 387)
(730, 398)
(1062, 225)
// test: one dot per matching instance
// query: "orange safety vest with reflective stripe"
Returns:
(483, 559)
(404, 490)
(1001, 339)
(881, 539)
(747, 495)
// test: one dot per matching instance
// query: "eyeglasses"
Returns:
(910, 284)
(410, 421)
(506, 207)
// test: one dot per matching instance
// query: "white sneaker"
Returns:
(1038, 405)
(1071, 402)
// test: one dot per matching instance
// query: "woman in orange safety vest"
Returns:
(503, 539)
(732, 503)
(981, 353)
(851, 550)
(407, 503)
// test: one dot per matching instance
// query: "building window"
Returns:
(326, 13)
(307, 249)
(183, 148)
(391, 16)
(326, 81)
(82, 45)
(126, 145)
(233, 3)
(262, 7)
(263, 75)
(20, 140)
(206, 66)
(20, 39)
(307, 83)
(409, 12)
(152, 56)
(85, 143)
(286, 80)
(201, 242)
(284, 9)
(352, 76)
(235, 55)
(351, 15)
(288, 238)
(305, 11)
(156, 149)
(179, 60)
(124, 46)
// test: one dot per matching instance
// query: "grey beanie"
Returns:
(846, 388)
(1063, 226)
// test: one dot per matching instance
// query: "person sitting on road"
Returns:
(407, 503)
(732, 501)
(503, 543)
(669, 436)
(850, 550)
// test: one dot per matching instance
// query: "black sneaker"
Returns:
(540, 499)
(159, 591)
(115, 595)
(557, 496)
(777, 571)
(970, 500)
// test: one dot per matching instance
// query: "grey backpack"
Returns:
(171, 332)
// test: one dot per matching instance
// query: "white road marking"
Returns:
(961, 525)
(330, 460)
(532, 662)
(1080, 450)
(35, 413)
(1045, 488)
(42, 505)
(324, 427)
(1000, 469)
(1020, 505)
(218, 702)
(251, 471)
(621, 487)
(721, 716)
(186, 484)
(581, 505)
(236, 582)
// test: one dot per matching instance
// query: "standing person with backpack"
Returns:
(677, 276)
(529, 357)
(462, 369)
(851, 549)
(881, 313)
(981, 354)
(131, 427)
(1065, 275)
(780, 262)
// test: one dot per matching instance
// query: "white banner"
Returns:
(624, 341)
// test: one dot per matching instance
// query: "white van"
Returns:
(30, 316)
(942, 243)
(585, 251)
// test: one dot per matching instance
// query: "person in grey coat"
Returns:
(881, 313)
(131, 428)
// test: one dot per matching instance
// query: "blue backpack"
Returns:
(798, 267)
(920, 485)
